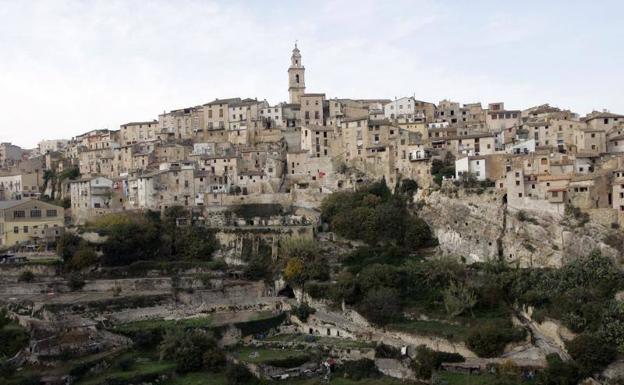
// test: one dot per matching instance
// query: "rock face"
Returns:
(480, 227)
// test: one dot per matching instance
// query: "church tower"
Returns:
(296, 77)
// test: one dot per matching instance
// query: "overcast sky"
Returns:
(67, 67)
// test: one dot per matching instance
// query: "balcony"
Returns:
(419, 155)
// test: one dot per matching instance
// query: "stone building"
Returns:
(317, 140)
(136, 132)
(18, 186)
(498, 118)
(30, 221)
(312, 109)
(96, 196)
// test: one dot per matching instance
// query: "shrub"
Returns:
(591, 353)
(146, 339)
(75, 282)
(381, 306)
(360, 369)
(558, 372)
(12, 340)
(303, 311)
(26, 276)
(214, 360)
(427, 361)
(84, 256)
(488, 339)
(289, 362)
(126, 363)
(387, 351)
(237, 374)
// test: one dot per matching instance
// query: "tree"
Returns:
(380, 275)
(4, 318)
(26, 276)
(303, 261)
(458, 299)
(427, 361)
(188, 349)
(591, 353)
(381, 306)
(294, 271)
(67, 245)
(83, 257)
(75, 282)
(408, 187)
(418, 234)
(489, 338)
(238, 374)
(214, 360)
(558, 372)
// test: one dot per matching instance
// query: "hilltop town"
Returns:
(395, 233)
(241, 149)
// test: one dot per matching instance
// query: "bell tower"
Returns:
(296, 76)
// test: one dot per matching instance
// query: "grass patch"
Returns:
(449, 378)
(245, 354)
(450, 331)
(198, 378)
(329, 341)
(337, 380)
(145, 366)
(161, 324)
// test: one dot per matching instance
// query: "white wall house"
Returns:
(471, 165)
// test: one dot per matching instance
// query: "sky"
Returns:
(69, 66)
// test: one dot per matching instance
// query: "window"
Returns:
(16, 230)
(51, 213)
(25, 229)
(36, 213)
(19, 214)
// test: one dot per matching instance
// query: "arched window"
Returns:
(297, 78)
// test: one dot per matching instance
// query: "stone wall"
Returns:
(11, 272)
(395, 368)
(239, 243)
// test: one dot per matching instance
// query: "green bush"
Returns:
(125, 364)
(386, 351)
(214, 360)
(375, 215)
(237, 374)
(488, 339)
(558, 372)
(12, 339)
(381, 306)
(360, 369)
(26, 276)
(75, 282)
(427, 361)
(591, 353)
(303, 311)
(289, 362)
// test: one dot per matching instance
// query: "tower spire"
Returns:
(296, 76)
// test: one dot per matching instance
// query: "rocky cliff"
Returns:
(479, 226)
